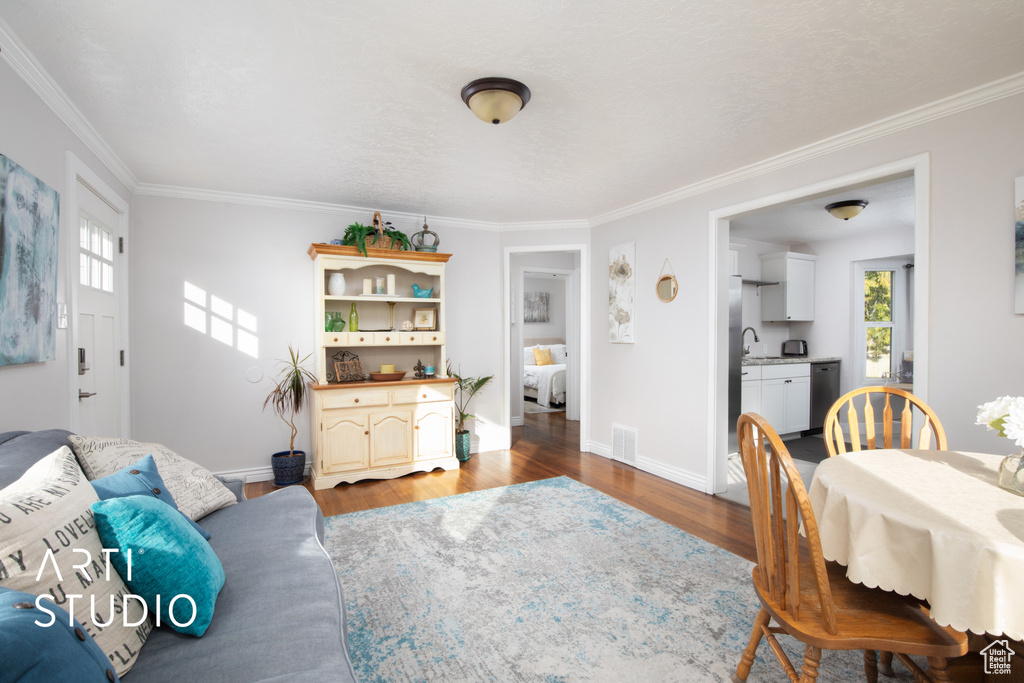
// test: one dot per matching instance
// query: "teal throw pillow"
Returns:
(171, 567)
(52, 649)
(139, 479)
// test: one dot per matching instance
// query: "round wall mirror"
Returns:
(667, 288)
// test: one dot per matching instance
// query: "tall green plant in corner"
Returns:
(465, 389)
(289, 392)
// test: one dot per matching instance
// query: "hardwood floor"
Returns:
(548, 446)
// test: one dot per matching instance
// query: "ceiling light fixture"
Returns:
(846, 210)
(495, 100)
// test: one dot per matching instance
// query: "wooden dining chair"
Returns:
(929, 426)
(812, 600)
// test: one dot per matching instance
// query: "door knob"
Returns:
(85, 394)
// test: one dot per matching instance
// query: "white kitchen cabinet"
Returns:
(750, 389)
(793, 298)
(786, 396)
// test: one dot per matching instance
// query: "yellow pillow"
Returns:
(542, 356)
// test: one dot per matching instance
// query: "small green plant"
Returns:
(357, 233)
(289, 392)
(465, 389)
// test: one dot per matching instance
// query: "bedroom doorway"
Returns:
(546, 352)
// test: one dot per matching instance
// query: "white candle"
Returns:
(366, 285)
(391, 285)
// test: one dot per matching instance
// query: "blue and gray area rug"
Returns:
(546, 581)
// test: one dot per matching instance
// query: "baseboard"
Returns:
(255, 474)
(517, 421)
(658, 469)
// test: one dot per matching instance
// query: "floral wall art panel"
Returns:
(29, 221)
(621, 291)
(1018, 206)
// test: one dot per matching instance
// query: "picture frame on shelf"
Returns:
(424, 318)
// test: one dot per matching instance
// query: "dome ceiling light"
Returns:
(495, 100)
(846, 210)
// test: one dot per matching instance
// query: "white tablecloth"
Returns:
(933, 524)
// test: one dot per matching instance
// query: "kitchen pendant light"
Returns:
(846, 210)
(495, 100)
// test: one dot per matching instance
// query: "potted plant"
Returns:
(287, 398)
(465, 389)
(381, 235)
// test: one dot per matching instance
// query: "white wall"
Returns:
(555, 289)
(38, 395)
(771, 334)
(974, 335)
(191, 391)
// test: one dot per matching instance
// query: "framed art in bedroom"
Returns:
(424, 318)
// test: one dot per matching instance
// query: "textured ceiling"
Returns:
(358, 103)
(890, 207)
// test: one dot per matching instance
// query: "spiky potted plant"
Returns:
(380, 236)
(465, 389)
(287, 398)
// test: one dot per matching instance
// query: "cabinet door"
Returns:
(773, 403)
(799, 289)
(798, 403)
(750, 396)
(432, 431)
(390, 438)
(345, 441)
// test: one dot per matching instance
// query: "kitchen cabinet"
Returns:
(750, 389)
(786, 396)
(793, 298)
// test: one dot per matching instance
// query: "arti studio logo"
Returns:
(997, 657)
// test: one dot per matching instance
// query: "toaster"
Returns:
(794, 347)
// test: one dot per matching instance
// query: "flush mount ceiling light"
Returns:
(846, 210)
(495, 100)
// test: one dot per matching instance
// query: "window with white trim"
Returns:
(96, 256)
(883, 318)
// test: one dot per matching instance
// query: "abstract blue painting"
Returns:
(29, 223)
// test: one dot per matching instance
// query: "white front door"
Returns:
(99, 290)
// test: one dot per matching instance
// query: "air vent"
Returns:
(624, 444)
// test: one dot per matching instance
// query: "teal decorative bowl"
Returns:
(421, 293)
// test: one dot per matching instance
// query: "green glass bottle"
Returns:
(353, 319)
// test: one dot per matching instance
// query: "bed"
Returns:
(545, 383)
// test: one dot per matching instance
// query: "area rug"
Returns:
(535, 408)
(545, 581)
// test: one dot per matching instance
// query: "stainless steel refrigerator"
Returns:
(735, 355)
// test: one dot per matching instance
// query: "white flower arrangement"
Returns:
(1004, 415)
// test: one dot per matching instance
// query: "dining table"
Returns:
(932, 524)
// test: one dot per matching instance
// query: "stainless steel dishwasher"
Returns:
(824, 392)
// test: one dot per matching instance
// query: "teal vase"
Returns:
(462, 446)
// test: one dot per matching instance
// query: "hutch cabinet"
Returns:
(380, 429)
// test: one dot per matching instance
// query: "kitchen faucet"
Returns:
(744, 350)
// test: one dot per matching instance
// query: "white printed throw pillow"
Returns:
(193, 487)
(47, 530)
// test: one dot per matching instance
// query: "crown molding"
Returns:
(954, 104)
(572, 224)
(33, 73)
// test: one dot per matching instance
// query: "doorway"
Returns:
(556, 278)
(98, 291)
(719, 270)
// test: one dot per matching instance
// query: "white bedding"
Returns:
(548, 380)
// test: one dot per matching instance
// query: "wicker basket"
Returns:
(347, 368)
(381, 242)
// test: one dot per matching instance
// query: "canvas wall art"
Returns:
(1018, 210)
(29, 223)
(621, 291)
(535, 307)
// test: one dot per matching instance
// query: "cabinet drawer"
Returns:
(335, 338)
(422, 393)
(411, 338)
(785, 370)
(749, 372)
(355, 399)
(360, 339)
(385, 338)
(433, 337)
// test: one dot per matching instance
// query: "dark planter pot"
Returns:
(462, 446)
(288, 469)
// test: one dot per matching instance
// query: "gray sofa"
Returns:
(280, 615)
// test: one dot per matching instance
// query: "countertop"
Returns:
(788, 360)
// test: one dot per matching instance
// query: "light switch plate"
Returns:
(62, 316)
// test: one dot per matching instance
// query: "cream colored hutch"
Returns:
(369, 429)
